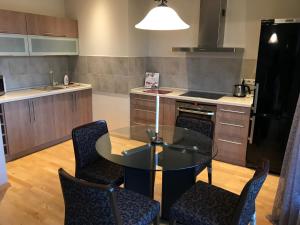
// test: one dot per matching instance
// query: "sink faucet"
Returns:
(51, 77)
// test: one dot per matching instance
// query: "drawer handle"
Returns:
(232, 124)
(231, 142)
(144, 99)
(144, 110)
(232, 111)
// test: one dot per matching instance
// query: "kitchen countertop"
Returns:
(176, 92)
(12, 96)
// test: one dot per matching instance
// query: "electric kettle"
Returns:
(241, 90)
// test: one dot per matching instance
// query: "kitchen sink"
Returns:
(48, 88)
(163, 92)
(57, 87)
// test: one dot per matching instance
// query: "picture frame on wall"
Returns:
(151, 80)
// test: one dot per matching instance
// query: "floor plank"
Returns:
(33, 195)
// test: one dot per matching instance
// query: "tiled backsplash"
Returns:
(109, 74)
(120, 74)
(24, 72)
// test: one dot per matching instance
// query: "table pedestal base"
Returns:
(174, 184)
(140, 181)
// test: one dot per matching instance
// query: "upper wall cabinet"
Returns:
(42, 45)
(23, 34)
(13, 45)
(12, 22)
(51, 26)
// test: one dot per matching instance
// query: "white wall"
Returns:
(161, 42)
(44, 7)
(106, 28)
(115, 109)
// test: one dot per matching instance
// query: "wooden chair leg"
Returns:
(172, 222)
(209, 173)
(253, 219)
(156, 220)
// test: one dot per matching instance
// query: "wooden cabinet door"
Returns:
(169, 112)
(43, 120)
(63, 114)
(18, 118)
(12, 22)
(68, 27)
(83, 107)
(51, 26)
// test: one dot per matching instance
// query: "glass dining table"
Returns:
(177, 153)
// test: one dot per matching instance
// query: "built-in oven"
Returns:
(196, 110)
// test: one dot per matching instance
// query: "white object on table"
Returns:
(157, 115)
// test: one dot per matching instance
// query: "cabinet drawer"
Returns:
(144, 104)
(230, 152)
(235, 110)
(234, 134)
(143, 116)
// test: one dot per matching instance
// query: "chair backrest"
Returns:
(246, 205)
(84, 141)
(202, 126)
(88, 203)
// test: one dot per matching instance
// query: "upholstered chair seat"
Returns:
(206, 204)
(88, 203)
(90, 165)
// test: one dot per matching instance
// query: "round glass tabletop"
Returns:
(178, 149)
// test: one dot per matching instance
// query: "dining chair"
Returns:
(202, 126)
(88, 203)
(207, 204)
(90, 165)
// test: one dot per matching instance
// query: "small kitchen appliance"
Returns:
(241, 90)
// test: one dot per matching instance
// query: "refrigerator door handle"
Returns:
(255, 97)
(250, 139)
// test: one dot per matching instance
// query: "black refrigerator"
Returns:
(277, 91)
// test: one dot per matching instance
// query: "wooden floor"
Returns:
(34, 195)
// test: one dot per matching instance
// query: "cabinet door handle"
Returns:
(73, 102)
(230, 142)
(33, 110)
(29, 110)
(232, 125)
(232, 111)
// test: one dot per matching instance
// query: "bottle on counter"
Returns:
(66, 80)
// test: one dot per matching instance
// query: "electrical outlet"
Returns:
(250, 81)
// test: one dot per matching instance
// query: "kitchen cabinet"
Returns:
(12, 22)
(42, 120)
(37, 123)
(63, 114)
(51, 26)
(23, 34)
(231, 133)
(44, 45)
(143, 110)
(74, 109)
(14, 45)
(82, 112)
(18, 126)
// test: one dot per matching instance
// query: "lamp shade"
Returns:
(162, 18)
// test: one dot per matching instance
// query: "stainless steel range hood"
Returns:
(211, 29)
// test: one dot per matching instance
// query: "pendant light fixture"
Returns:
(162, 17)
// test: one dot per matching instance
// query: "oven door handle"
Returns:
(196, 112)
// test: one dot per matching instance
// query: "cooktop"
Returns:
(198, 94)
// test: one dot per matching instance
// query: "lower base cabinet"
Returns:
(37, 123)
